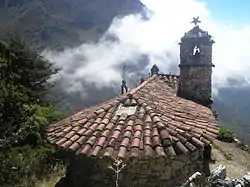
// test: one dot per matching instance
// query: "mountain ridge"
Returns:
(59, 23)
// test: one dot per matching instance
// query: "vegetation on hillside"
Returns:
(226, 135)
(62, 23)
(25, 112)
(233, 113)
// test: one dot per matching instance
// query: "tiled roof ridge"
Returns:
(133, 91)
(150, 120)
(112, 103)
(158, 123)
(169, 144)
(166, 145)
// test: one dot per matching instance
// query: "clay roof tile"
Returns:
(163, 124)
(96, 151)
(135, 143)
(122, 152)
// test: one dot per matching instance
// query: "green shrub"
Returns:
(25, 112)
(226, 135)
(25, 163)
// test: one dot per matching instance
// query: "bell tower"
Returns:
(195, 82)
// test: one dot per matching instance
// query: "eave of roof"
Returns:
(163, 125)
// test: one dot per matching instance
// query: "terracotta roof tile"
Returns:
(77, 128)
(122, 152)
(160, 151)
(135, 142)
(156, 141)
(96, 133)
(96, 151)
(197, 142)
(125, 142)
(101, 142)
(108, 152)
(106, 133)
(148, 151)
(61, 141)
(147, 133)
(137, 134)
(167, 142)
(74, 146)
(67, 144)
(86, 149)
(182, 148)
(163, 124)
(170, 151)
(74, 138)
(190, 146)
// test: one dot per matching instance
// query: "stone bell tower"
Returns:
(195, 82)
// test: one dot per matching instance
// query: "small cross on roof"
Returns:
(196, 20)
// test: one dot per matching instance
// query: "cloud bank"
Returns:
(131, 38)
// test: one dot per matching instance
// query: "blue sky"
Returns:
(227, 20)
(235, 12)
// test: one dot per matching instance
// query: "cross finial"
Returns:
(196, 21)
(124, 71)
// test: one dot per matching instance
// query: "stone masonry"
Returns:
(195, 82)
(161, 172)
(162, 129)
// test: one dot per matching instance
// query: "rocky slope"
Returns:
(236, 160)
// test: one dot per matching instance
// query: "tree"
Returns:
(24, 107)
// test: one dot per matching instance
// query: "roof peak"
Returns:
(133, 91)
(169, 78)
(161, 125)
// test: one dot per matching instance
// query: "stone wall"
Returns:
(157, 172)
(204, 57)
(196, 68)
(195, 83)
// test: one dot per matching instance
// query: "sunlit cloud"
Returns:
(158, 38)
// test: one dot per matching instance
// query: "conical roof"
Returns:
(149, 121)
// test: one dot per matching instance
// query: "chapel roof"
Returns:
(148, 121)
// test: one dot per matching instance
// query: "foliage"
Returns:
(25, 112)
(24, 109)
(23, 166)
(60, 23)
(226, 135)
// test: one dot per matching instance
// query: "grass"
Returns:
(55, 176)
(30, 167)
(226, 155)
(45, 181)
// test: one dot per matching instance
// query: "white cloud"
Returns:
(159, 39)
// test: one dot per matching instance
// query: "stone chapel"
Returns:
(162, 129)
